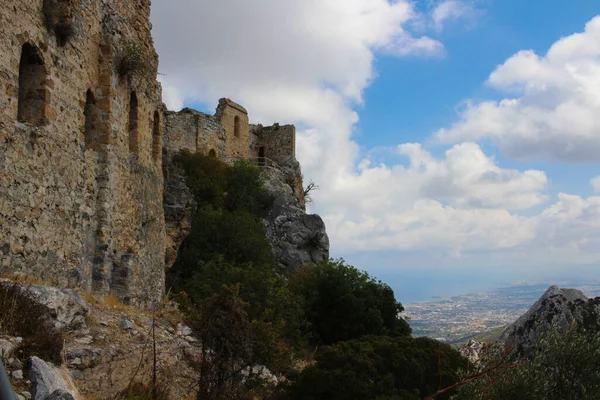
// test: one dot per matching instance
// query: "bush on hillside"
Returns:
(237, 237)
(244, 189)
(565, 366)
(377, 367)
(343, 303)
(205, 177)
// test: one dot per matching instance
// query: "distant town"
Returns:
(457, 319)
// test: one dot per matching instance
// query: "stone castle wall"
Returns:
(194, 131)
(277, 142)
(227, 134)
(80, 195)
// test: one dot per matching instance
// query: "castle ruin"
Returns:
(82, 126)
(228, 135)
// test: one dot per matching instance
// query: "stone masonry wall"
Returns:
(278, 142)
(194, 131)
(77, 208)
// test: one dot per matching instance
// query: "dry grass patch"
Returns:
(21, 315)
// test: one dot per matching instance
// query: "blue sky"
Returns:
(455, 142)
(413, 97)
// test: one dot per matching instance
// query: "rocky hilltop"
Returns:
(557, 308)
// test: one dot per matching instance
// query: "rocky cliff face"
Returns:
(179, 206)
(298, 239)
(557, 308)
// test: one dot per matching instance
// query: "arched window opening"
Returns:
(156, 137)
(91, 119)
(212, 153)
(261, 156)
(237, 126)
(134, 140)
(33, 94)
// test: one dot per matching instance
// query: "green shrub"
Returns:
(237, 237)
(227, 248)
(343, 303)
(205, 176)
(245, 189)
(135, 62)
(377, 367)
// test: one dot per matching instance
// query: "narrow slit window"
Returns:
(91, 119)
(134, 140)
(33, 93)
(237, 126)
(156, 137)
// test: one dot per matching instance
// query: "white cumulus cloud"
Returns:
(460, 202)
(555, 113)
(595, 182)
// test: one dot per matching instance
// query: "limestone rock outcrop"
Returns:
(557, 308)
(298, 239)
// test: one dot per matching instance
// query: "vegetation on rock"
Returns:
(224, 272)
(246, 314)
(135, 62)
(564, 366)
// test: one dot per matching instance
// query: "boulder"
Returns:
(66, 309)
(185, 330)
(60, 394)
(46, 381)
(125, 323)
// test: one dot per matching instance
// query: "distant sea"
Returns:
(411, 286)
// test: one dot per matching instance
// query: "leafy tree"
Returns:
(226, 335)
(343, 303)
(205, 176)
(244, 188)
(377, 367)
(237, 237)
